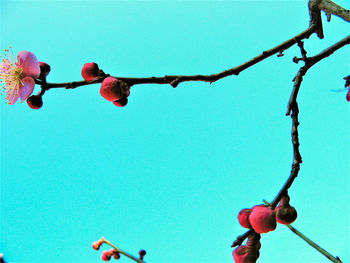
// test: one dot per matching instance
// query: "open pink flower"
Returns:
(17, 78)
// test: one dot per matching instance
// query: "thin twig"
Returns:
(309, 62)
(118, 250)
(174, 80)
(310, 242)
(314, 245)
(239, 240)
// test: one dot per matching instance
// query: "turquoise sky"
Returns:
(170, 172)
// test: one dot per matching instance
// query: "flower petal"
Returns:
(28, 61)
(12, 97)
(27, 89)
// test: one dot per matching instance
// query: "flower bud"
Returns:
(243, 217)
(96, 245)
(111, 89)
(116, 255)
(35, 102)
(44, 70)
(142, 253)
(90, 71)
(106, 255)
(285, 213)
(262, 219)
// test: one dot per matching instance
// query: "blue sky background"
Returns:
(170, 172)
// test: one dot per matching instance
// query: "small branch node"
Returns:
(280, 54)
(175, 82)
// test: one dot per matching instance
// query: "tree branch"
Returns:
(123, 252)
(309, 62)
(332, 8)
(174, 80)
(293, 107)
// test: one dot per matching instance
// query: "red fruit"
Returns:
(90, 71)
(348, 96)
(121, 102)
(111, 89)
(127, 92)
(285, 214)
(35, 102)
(262, 219)
(44, 69)
(243, 217)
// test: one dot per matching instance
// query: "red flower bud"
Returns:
(116, 255)
(111, 89)
(35, 102)
(262, 219)
(90, 71)
(106, 255)
(96, 245)
(142, 253)
(285, 214)
(243, 217)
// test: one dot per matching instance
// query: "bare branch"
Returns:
(123, 252)
(309, 62)
(174, 80)
(332, 8)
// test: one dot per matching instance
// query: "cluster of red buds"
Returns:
(114, 252)
(262, 219)
(112, 89)
(107, 254)
(36, 101)
(97, 244)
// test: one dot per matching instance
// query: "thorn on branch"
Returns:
(329, 16)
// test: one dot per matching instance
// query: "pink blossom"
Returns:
(18, 78)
